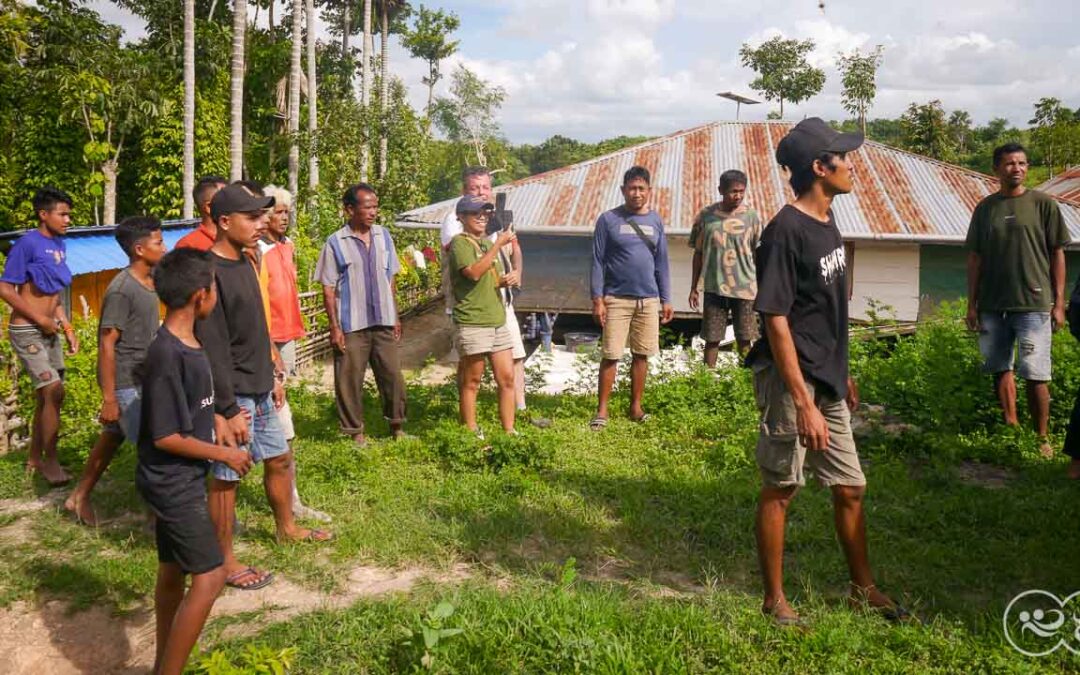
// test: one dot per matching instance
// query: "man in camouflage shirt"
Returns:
(724, 237)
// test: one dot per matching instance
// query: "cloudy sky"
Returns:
(593, 69)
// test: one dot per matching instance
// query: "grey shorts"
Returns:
(718, 310)
(288, 358)
(782, 458)
(1023, 337)
(41, 355)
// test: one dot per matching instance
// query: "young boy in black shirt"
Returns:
(800, 366)
(175, 450)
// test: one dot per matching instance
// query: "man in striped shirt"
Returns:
(357, 268)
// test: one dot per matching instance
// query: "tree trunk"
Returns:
(365, 90)
(294, 104)
(384, 92)
(109, 170)
(189, 110)
(346, 28)
(236, 126)
(313, 100)
(271, 21)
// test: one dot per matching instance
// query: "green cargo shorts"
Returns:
(782, 458)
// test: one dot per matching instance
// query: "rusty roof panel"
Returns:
(897, 194)
(1065, 185)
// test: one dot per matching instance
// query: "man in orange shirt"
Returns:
(286, 321)
(203, 236)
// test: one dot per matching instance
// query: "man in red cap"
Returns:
(800, 366)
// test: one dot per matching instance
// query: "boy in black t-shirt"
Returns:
(175, 450)
(800, 366)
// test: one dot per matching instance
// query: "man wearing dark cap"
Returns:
(800, 366)
(247, 390)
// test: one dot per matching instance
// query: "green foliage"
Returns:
(252, 659)
(467, 115)
(434, 631)
(858, 74)
(559, 151)
(926, 131)
(1056, 133)
(783, 73)
(429, 40)
(460, 449)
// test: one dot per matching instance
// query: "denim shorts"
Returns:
(267, 440)
(127, 426)
(1027, 335)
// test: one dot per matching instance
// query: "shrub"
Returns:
(459, 448)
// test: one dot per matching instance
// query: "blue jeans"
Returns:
(127, 425)
(267, 440)
(1027, 335)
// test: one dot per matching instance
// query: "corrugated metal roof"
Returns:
(94, 249)
(1065, 185)
(99, 251)
(898, 195)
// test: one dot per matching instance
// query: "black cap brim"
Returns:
(847, 142)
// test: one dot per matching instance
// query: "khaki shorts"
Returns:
(636, 320)
(515, 333)
(473, 340)
(782, 458)
(42, 356)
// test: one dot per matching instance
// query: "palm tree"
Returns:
(387, 9)
(365, 87)
(313, 98)
(236, 126)
(294, 101)
(189, 109)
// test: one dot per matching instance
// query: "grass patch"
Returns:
(629, 550)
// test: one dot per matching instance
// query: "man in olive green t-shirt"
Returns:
(1016, 286)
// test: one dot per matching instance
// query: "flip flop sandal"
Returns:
(597, 423)
(316, 536)
(263, 581)
(786, 621)
(896, 614)
(639, 420)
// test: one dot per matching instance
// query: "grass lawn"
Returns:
(630, 550)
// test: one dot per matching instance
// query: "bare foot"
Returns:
(359, 440)
(50, 470)
(1073, 471)
(1046, 450)
(81, 509)
(871, 598)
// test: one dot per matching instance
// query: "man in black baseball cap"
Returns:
(800, 366)
(237, 198)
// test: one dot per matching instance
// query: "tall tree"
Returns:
(468, 114)
(236, 98)
(389, 10)
(313, 100)
(858, 74)
(429, 40)
(189, 109)
(783, 73)
(294, 100)
(1056, 132)
(960, 130)
(365, 88)
(926, 131)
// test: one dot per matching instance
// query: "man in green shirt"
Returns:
(1016, 286)
(724, 236)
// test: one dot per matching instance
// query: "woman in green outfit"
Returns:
(479, 313)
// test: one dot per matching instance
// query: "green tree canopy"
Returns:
(783, 73)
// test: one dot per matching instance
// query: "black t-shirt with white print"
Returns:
(177, 398)
(802, 274)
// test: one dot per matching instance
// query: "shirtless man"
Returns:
(35, 274)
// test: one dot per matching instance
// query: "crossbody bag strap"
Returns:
(648, 242)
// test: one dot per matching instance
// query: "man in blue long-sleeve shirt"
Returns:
(629, 283)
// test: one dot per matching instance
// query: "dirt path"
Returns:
(48, 639)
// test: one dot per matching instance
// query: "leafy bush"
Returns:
(459, 448)
(254, 658)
